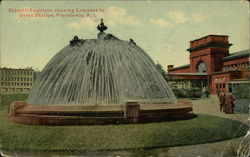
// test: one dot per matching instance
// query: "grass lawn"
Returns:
(202, 129)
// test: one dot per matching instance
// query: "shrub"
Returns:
(187, 93)
(241, 91)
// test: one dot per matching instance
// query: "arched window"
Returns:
(201, 67)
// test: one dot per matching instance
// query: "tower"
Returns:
(206, 53)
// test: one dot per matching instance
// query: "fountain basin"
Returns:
(130, 113)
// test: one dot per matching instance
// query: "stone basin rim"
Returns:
(130, 113)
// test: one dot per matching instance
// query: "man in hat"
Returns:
(222, 101)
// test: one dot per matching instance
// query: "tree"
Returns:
(162, 71)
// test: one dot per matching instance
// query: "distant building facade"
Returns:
(16, 80)
(211, 66)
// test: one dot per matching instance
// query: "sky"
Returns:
(162, 28)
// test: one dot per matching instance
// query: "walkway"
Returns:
(217, 149)
(211, 106)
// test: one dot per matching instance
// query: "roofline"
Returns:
(239, 80)
(208, 36)
(180, 67)
(195, 74)
(16, 68)
(225, 72)
(231, 57)
(205, 74)
(209, 45)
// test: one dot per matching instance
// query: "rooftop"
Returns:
(6, 68)
(236, 55)
(194, 74)
(208, 36)
(180, 67)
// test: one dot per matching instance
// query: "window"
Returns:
(234, 67)
(246, 65)
(201, 67)
(224, 69)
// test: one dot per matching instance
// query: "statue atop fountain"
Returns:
(101, 27)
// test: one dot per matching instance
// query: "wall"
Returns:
(212, 57)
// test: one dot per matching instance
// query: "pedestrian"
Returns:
(207, 92)
(222, 101)
(218, 92)
(229, 102)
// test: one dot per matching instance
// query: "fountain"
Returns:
(99, 81)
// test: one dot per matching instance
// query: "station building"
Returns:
(16, 80)
(211, 66)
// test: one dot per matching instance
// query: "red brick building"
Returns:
(211, 65)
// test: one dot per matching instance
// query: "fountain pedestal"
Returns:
(131, 113)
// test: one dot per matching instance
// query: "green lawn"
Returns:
(202, 129)
(6, 99)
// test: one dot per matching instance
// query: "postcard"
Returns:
(124, 78)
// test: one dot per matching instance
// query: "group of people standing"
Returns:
(226, 101)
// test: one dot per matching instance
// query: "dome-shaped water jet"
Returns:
(94, 77)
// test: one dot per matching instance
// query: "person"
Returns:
(207, 92)
(218, 92)
(229, 102)
(222, 101)
(204, 91)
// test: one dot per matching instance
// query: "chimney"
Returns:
(170, 66)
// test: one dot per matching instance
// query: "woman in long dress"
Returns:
(229, 102)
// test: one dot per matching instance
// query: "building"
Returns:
(16, 80)
(211, 66)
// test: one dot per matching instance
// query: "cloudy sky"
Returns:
(162, 28)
